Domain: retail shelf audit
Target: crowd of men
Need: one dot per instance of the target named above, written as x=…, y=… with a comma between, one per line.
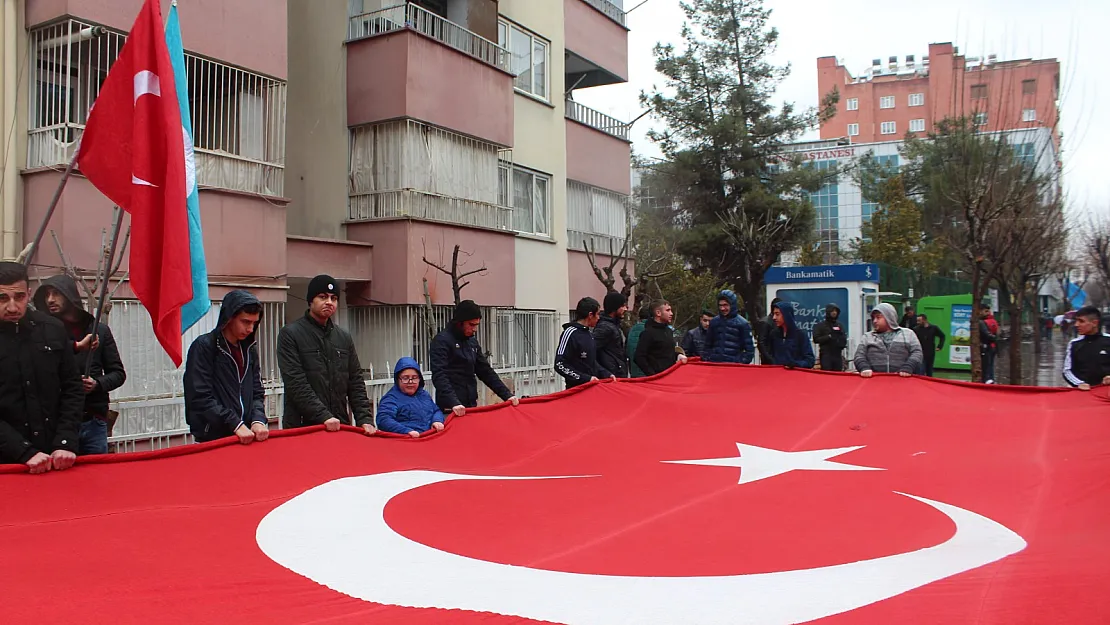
x=58, y=364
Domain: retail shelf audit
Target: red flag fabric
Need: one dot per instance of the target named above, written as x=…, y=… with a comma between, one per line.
x=711, y=494
x=133, y=151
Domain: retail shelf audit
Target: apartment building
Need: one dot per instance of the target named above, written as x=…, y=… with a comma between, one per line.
x=356, y=139
x=421, y=126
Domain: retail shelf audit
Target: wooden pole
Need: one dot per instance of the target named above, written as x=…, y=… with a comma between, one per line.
x=117, y=223
x=34, y=247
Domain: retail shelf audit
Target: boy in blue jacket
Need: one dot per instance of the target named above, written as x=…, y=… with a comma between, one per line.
x=408, y=408
x=790, y=345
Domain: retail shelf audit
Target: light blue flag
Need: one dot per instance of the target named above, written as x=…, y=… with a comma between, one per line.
x=201, y=302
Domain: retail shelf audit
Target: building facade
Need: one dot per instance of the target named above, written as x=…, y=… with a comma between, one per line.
x=365, y=140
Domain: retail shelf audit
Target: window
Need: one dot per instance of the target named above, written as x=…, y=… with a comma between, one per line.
x=530, y=196
x=1029, y=115
x=980, y=119
x=886, y=102
x=853, y=130
x=853, y=104
x=826, y=202
x=1028, y=87
x=1026, y=153
x=917, y=99
x=888, y=128
x=978, y=92
x=917, y=125
x=888, y=166
x=529, y=58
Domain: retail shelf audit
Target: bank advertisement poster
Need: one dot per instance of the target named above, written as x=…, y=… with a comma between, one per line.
x=809, y=305
x=959, y=340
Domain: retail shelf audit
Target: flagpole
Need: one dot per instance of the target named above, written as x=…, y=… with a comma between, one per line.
x=117, y=218
x=34, y=247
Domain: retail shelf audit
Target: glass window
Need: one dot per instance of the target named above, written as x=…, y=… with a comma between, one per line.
x=886, y=102
x=917, y=125
x=853, y=104
x=1029, y=115
x=529, y=59
x=888, y=128
x=978, y=92
x=531, y=201
x=980, y=119
x=853, y=130
x=917, y=99
x=1028, y=87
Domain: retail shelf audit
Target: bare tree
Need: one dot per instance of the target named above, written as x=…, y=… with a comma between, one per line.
x=640, y=284
x=458, y=277
x=1095, y=249
x=107, y=270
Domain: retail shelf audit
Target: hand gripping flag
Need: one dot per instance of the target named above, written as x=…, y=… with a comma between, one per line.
x=192, y=312
x=133, y=151
x=710, y=495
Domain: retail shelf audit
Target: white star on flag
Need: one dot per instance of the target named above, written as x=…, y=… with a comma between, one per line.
x=759, y=463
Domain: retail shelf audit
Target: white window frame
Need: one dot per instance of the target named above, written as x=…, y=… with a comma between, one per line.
x=888, y=128
x=1028, y=115
x=540, y=89
x=507, y=174
x=887, y=102
x=852, y=104
x=917, y=99
x=853, y=130
x=981, y=118
x=917, y=125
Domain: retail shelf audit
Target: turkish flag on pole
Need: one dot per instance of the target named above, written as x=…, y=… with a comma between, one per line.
x=133, y=152
x=711, y=495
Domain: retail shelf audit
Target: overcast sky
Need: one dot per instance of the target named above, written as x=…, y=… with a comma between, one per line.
x=856, y=31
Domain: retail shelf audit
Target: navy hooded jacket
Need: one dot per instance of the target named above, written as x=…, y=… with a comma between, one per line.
x=402, y=414
x=730, y=336
x=791, y=349
x=217, y=399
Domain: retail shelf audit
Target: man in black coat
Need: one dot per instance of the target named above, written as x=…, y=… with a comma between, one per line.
x=693, y=342
x=655, y=353
x=99, y=356
x=928, y=335
x=831, y=339
x=612, y=355
x=762, y=332
x=576, y=357
x=458, y=363
x=41, y=395
x=1087, y=362
x=223, y=380
x=320, y=368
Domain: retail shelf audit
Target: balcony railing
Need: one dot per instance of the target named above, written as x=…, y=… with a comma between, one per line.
x=610, y=10
x=596, y=120
x=423, y=205
x=413, y=17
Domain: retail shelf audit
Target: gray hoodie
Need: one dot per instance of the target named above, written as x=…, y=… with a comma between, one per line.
x=899, y=352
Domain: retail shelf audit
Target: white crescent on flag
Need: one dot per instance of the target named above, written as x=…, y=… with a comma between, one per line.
x=146, y=83
x=371, y=561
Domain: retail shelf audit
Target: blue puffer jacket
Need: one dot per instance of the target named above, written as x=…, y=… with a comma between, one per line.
x=402, y=414
x=792, y=348
x=730, y=336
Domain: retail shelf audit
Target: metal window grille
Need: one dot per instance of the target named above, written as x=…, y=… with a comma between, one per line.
x=598, y=216
x=238, y=116
x=610, y=9
x=416, y=18
x=407, y=168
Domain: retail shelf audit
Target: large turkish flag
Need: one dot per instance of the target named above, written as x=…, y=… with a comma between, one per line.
x=711, y=494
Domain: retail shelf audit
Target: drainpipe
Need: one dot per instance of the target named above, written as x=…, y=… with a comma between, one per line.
x=10, y=245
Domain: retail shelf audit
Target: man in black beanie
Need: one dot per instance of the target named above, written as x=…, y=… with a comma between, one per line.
x=458, y=363
x=609, y=336
x=319, y=366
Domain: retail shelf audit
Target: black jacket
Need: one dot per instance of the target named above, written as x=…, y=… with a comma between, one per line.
x=693, y=342
x=457, y=365
x=1087, y=360
x=576, y=358
x=655, y=352
x=41, y=397
x=217, y=399
x=831, y=340
x=107, y=367
x=612, y=355
x=927, y=336
x=322, y=375
x=761, y=330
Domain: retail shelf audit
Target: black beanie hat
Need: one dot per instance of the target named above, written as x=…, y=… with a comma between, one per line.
x=467, y=310
x=322, y=284
x=613, y=302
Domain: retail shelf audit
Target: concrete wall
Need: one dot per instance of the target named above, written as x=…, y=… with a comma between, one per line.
x=596, y=38
x=13, y=119
x=599, y=159
x=316, y=128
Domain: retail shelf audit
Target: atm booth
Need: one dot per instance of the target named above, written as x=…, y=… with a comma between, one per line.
x=853, y=288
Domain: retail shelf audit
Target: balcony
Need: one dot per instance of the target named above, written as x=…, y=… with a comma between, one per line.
x=238, y=116
x=406, y=62
x=402, y=203
x=598, y=149
x=596, y=218
x=410, y=16
x=597, y=120
x=596, y=43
